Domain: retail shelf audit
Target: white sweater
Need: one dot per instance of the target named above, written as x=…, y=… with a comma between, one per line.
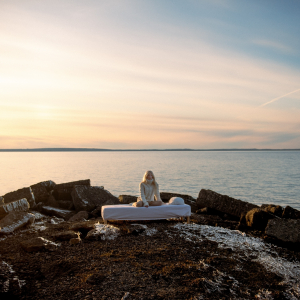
x=147, y=192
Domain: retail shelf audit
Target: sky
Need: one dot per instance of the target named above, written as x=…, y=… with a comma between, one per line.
x=157, y=74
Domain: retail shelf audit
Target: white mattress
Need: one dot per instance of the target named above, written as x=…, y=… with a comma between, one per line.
x=127, y=212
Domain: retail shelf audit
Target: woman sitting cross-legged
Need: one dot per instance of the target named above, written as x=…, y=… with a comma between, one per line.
x=148, y=189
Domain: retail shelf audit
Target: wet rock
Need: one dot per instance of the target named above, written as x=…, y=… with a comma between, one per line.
x=63, y=191
x=276, y=210
x=291, y=213
x=38, y=244
x=89, y=197
x=66, y=235
x=285, y=230
x=20, y=194
x=257, y=218
x=15, y=220
x=126, y=199
x=42, y=190
x=19, y=205
x=57, y=212
x=223, y=203
x=79, y=217
x=165, y=197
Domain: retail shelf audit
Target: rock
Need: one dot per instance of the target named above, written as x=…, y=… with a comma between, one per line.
x=291, y=213
x=126, y=199
x=165, y=197
x=42, y=190
x=9, y=282
x=89, y=197
x=80, y=216
x=206, y=219
x=96, y=212
x=63, y=191
x=276, y=210
x=223, y=203
x=1, y=200
x=66, y=204
x=15, y=220
x=285, y=230
x=52, y=202
x=57, y=212
x=38, y=244
x=19, y=205
x=257, y=218
x=103, y=232
x=208, y=211
x=66, y=235
x=135, y=229
x=20, y=194
x=84, y=227
x=75, y=241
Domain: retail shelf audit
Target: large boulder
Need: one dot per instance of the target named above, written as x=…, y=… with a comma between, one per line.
x=165, y=197
x=291, y=213
x=57, y=212
x=19, y=205
x=223, y=203
x=15, y=220
x=285, y=230
x=276, y=210
x=79, y=217
x=20, y=194
x=41, y=190
x=63, y=191
x=258, y=219
x=89, y=197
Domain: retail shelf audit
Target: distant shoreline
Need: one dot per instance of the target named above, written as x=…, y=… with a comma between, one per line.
x=130, y=150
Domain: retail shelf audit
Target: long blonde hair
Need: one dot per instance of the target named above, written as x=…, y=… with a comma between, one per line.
x=145, y=177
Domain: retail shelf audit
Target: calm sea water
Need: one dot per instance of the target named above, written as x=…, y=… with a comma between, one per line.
x=254, y=176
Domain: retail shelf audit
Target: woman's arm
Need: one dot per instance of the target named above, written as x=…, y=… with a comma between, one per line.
x=157, y=194
x=142, y=194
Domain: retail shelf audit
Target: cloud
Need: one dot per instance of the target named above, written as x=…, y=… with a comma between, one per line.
x=275, y=99
x=274, y=46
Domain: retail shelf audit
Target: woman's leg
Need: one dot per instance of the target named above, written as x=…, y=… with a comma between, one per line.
x=138, y=204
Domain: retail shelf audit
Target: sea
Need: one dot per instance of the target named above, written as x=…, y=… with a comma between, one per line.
x=259, y=177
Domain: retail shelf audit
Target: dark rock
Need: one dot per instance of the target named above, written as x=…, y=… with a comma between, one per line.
x=96, y=212
x=20, y=194
x=19, y=205
x=291, y=213
x=89, y=197
x=276, y=210
x=80, y=217
x=52, y=202
x=1, y=200
x=75, y=241
x=38, y=244
x=15, y=220
x=258, y=219
x=41, y=190
x=223, y=203
x=66, y=235
x=84, y=227
x=209, y=211
x=211, y=220
x=57, y=212
x=135, y=229
x=285, y=230
x=63, y=191
x=66, y=204
x=126, y=199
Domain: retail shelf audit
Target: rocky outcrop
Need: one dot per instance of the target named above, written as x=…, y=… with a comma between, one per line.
x=223, y=203
x=285, y=230
x=19, y=205
x=38, y=244
x=57, y=212
x=126, y=199
x=42, y=190
x=20, y=194
x=63, y=191
x=258, y=219
x=15, y=220
x=291, y=213
x=89, y=197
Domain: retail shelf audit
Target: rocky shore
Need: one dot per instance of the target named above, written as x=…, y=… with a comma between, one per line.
x=54, y=245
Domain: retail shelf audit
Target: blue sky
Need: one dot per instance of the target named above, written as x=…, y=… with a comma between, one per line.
x=150, y=74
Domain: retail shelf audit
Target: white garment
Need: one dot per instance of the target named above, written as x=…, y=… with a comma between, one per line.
x=147, y=192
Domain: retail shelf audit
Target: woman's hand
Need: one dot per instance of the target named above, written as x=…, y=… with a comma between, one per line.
x=147, y=205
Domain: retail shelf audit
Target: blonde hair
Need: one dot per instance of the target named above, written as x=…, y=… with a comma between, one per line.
x=145, y=177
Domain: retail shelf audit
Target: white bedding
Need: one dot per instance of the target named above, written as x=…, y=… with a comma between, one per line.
x=127, y=212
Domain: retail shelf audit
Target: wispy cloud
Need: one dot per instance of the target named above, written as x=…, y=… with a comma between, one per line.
x=274, y=45
x=275, y=99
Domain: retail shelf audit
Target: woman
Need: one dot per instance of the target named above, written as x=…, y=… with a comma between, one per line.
x=148, y=189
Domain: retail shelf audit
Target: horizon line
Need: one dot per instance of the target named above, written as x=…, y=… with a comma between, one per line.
x=116, y=150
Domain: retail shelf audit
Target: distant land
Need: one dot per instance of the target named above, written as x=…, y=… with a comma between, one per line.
x=118, y=150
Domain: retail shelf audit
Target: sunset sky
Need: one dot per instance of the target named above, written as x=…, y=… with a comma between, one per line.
x=150, y=74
